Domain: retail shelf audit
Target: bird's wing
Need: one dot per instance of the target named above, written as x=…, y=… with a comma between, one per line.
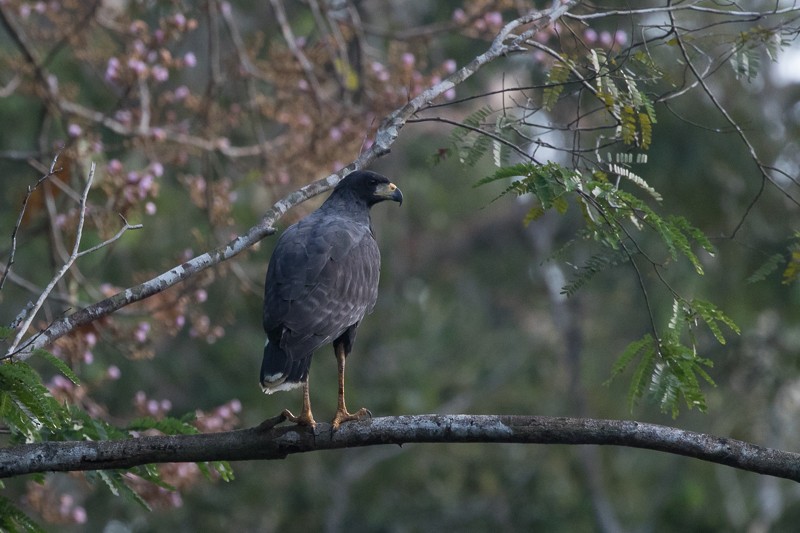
x=322, y=278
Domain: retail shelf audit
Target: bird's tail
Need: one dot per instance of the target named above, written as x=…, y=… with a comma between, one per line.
x=279, y=371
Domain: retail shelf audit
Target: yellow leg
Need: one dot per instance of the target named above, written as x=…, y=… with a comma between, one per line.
x=305, y=418
x=341, y=411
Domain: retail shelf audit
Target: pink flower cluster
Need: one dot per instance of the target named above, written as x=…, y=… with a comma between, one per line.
x=147, y=56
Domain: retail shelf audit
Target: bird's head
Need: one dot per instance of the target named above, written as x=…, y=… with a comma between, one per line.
x=370, y=187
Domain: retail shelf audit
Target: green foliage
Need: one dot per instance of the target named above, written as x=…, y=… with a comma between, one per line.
x=669, y=369
x=666, y=367
x=469, y=144
x=789, y=260
x=13, y=520
x=556, y=79
x=33, y=415
x=548, y=183
x=26, y=405
x=746, y=51
x=619, y=90
x=594, y=265
x=767, y=267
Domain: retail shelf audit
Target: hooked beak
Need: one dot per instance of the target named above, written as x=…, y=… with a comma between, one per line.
x=390, y=191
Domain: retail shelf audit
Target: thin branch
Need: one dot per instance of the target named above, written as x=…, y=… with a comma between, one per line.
x=267, y=442
x=63, y=270
x=762, y=168
x=291, y=42
x=31, y=188
x=126, y=226
x=685, y=7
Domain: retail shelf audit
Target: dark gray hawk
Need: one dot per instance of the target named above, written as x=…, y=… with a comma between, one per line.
x=321, y=281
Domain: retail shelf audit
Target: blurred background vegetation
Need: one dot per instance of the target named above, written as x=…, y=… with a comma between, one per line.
x=200, y=116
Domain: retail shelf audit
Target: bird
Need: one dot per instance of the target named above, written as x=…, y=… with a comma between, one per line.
x=322, y=279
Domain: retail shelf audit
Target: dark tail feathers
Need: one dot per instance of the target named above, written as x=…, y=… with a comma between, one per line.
x=278, y=370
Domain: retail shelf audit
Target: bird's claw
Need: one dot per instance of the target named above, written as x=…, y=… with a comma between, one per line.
x=343, y=416
x=305, y=419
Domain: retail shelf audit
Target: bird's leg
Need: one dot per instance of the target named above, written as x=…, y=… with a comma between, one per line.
x=305, y=418
x=341, y=411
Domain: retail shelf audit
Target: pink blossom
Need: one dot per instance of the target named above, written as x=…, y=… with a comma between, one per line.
x=620, y=37
x=189, y=59
x=180, y=20
x=88, y=357
x=25, y=11
x=182, y=92
x=150, y=208
x=124, y=116
x=201, y=295
x=73, y=130
x=145, y=185
x=450, y=94
x=160, y=73
x=79, y=515
x=112, y=69
x=140, y=334
x=590, y=35
x=139, y=47
x=137, y=65
x=606, y=39
x=157, y=168
x=236, y=405
x=493, y=18
x=408, y=59
x=113, y=373
x=114, y=166
x=459, y=15
x=335, y=134
x=91, y=338
x=450, y=66
x=158, y=134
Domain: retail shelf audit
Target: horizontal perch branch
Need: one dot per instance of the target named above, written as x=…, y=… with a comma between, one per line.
x=269, y=441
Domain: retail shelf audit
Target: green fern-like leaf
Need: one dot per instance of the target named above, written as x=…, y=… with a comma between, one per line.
x=59, y=364
x=6, y=332
x=713, y=316
x=643, y=373
x=767, y=267
x=556, y=79
x=475, y=120
x=593, y=266
x=25, y=403
x=12, y=519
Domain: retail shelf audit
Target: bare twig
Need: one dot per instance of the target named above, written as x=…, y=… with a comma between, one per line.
x=762, y=168
x=23, y=328
x=18, y=224
x=291, y=42
x=126, y=226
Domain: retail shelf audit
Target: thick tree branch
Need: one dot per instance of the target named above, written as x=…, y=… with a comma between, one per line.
x=505, y=43
x=270, y=442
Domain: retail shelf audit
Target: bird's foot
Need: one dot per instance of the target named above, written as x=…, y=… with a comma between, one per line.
x=305, y=418
x=343, y=416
